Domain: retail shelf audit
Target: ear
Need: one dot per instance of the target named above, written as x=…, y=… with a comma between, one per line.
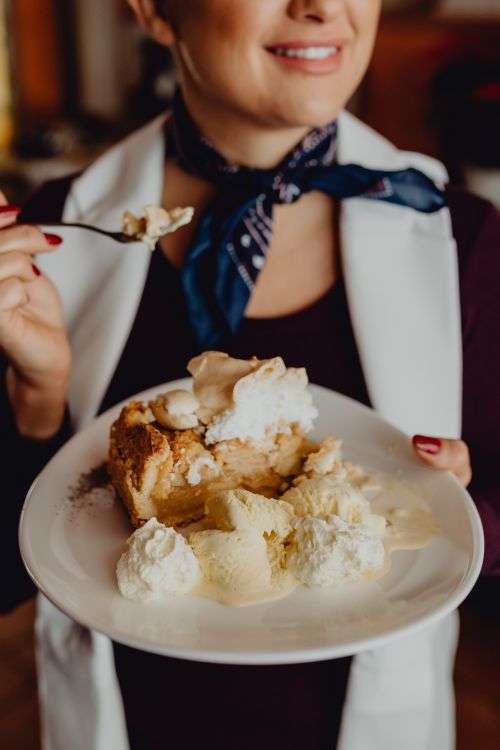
x=158, y=27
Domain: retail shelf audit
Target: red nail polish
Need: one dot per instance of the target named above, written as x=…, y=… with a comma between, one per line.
x=53, y=239
x=10, y=210
x=427, y=444
x=36, y=270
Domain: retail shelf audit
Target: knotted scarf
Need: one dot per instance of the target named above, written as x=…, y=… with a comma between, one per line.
x=233, y=235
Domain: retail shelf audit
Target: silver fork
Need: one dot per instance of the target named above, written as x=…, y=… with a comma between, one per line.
x=117, y=236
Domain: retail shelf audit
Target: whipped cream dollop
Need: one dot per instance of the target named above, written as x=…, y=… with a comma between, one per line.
x=155, y=223
x=158, y=561
x=176, y=409
x=328, y=550
x=214, y=376
x=250, y=399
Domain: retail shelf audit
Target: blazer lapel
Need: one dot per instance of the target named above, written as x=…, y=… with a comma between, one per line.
x=401, y=279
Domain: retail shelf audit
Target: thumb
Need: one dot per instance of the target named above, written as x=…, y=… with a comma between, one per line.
x=444, y=453
x=8, y=213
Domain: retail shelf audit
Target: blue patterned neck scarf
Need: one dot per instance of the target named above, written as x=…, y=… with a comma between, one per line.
x=233, y=235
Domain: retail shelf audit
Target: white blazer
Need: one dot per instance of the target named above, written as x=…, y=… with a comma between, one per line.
x=401, y=277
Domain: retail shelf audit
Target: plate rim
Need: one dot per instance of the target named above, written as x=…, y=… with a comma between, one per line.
x=265, y=657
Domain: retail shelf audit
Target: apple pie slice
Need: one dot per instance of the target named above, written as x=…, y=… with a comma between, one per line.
x=243, y=426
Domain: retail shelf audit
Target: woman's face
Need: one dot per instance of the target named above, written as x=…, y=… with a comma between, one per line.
x=279, y=62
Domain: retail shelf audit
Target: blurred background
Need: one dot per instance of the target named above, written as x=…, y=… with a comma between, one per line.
x=76, y=75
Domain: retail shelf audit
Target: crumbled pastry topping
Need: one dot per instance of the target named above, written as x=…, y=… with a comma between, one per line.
x=326, y=459
x=176, y=409
x=138, y=413
x=201, y=467
x=133, y=226
x=155, y=223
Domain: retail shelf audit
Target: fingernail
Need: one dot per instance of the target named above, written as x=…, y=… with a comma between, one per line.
x=53, y=239
x=427, y=444
x=10, y=210
x=36, y=269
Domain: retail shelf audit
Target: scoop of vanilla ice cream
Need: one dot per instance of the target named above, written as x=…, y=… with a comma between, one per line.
x=324, y=495
x=158, y=561
x=327, y=550
x=176, y=409
x=241, y=509
x=236, y=562
x=266, y=401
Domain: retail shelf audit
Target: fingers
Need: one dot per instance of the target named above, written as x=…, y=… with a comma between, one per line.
x=16, y=269
x=445, y=454
x=12, y=294
x=8, y=215
x=22, y=237
x=18, y=265
x=27, y=239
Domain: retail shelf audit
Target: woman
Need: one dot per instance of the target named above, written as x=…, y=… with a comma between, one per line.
x=360, y=285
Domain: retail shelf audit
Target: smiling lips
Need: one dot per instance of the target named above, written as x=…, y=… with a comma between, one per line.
x=319, y=58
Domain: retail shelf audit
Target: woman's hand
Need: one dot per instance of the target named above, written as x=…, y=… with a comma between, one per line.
x=32, y=334
x=442, y=453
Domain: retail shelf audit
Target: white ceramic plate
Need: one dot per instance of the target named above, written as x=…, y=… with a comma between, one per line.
x=70, y=550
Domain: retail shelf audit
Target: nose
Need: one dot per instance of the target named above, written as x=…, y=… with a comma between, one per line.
x=317, y=11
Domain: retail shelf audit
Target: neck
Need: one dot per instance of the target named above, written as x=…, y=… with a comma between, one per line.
x=240, y=140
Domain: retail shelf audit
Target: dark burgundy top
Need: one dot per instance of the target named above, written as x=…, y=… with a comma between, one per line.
x=331, y=359
x=290, y=706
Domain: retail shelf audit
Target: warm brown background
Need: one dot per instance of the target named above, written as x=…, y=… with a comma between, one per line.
x=394, y=98
x=37, y=71
x=408, y=53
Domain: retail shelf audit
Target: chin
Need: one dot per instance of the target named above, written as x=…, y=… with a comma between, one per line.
x=310, y=113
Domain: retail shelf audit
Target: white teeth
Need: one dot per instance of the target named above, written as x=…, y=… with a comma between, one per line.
x=307, y=53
